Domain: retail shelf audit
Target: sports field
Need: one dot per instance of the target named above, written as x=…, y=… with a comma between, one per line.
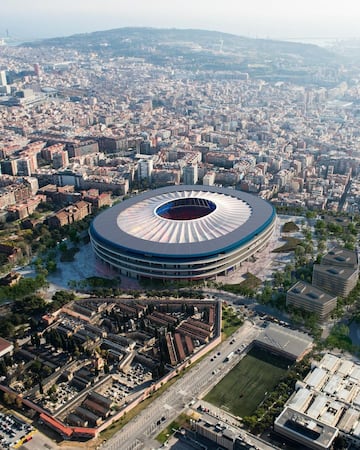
x=245, y=386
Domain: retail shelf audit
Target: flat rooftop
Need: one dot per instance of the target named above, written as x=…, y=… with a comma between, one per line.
x=339, y=256
x=307, y=291
x=328, y=396
x=306, y=429
x=219, y=427
x=343, y=273
x=283, y=339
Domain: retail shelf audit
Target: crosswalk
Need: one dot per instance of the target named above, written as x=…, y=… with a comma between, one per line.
x=137, y=444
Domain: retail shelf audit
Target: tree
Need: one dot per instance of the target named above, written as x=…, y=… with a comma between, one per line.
x=266, y=294
x=321, y=245
x=73, y=234
x=339, y=338
x=335, y=228
x=311, y=214
x=7, y=327
x=300, y=258
x=279, y=278
x=3, y=368
x=31, y=304
x=340, y=443
x=51, y=265
x=46, y=371
x=250, y=422
x=349, y=245
x=36, y=366
x=63, y=247
x=320, y=225
x=9, y=398
x=18, y=401
x=60, y=298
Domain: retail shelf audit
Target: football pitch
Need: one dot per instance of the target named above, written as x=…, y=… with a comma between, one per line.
x=245, y=386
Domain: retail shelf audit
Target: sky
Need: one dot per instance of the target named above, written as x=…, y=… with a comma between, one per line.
x=276, y=19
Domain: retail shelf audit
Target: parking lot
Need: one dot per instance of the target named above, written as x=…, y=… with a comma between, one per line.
x=13, y=431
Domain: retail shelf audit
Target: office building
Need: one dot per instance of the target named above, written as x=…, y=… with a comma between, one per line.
x=341, y=257
x=305, y=296
x=335, y=280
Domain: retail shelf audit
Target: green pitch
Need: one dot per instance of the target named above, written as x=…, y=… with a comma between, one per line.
x=245, y=386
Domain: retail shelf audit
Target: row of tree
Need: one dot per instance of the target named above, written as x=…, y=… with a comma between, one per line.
x=270, y=408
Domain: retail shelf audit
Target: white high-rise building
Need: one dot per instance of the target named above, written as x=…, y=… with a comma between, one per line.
x=209, y=179
x=145, y=168
x=3, y=81
x=190, y=173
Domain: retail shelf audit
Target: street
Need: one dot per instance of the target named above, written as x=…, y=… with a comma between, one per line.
x=140, y=432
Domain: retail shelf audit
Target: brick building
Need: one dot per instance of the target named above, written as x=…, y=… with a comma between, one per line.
x=70, y=214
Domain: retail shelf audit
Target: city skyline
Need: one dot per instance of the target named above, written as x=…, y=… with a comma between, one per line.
x=305, y=21
x=179, y=226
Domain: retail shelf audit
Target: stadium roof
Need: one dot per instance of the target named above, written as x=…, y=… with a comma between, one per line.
x=136, y=224
x=229, y=214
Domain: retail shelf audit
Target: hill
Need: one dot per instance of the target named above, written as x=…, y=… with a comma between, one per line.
x=200, y=50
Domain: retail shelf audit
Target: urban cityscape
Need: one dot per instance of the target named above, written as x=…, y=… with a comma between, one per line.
x=179, y=235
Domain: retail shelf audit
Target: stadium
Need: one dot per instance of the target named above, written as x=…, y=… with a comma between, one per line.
x=182, y=232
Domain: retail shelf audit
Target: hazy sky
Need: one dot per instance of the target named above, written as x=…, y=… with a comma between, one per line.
x=262, y=18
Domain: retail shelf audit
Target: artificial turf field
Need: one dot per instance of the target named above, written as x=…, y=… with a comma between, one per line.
x=244, y=387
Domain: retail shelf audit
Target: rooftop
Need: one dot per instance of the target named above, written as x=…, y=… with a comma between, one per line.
x=341, y=257
x=5, y=345
x=236, y=219
x=307, y=291
x=343, y=273
x=292, y=342
x=307, y=428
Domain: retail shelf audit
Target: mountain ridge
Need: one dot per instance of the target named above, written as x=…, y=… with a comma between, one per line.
x=200, y=50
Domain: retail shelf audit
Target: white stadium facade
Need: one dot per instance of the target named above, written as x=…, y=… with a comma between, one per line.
x=182, y=232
